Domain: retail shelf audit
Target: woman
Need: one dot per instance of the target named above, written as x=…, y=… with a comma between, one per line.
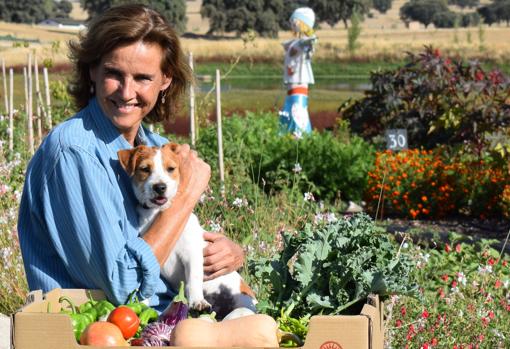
x=78, y=222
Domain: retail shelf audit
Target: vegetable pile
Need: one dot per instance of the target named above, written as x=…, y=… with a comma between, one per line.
x=331, y=269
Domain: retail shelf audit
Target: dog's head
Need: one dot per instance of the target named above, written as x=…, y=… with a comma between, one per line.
x=154, y=173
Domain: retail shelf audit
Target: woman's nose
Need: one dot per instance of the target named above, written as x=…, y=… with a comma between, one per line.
x=128, y=89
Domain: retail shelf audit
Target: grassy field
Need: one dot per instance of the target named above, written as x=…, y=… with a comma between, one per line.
x=374, y=44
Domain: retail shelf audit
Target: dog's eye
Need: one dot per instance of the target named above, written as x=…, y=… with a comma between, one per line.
x=170, y=169
x=145, y=169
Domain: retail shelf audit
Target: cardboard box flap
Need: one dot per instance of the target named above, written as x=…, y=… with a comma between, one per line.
x=338, y=332
x=374, y=311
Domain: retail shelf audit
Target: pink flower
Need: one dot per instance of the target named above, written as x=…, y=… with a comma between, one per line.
x=498, y=284
x=403, y=311
x=458, y=248
x=447, y=248
x=425, y=314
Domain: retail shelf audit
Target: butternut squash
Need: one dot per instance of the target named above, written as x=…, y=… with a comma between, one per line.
x=256, y=330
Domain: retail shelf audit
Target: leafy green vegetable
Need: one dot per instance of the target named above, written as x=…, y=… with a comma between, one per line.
x=330, y=268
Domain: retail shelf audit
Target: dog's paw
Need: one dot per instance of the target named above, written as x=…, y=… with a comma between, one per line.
x=200, y=305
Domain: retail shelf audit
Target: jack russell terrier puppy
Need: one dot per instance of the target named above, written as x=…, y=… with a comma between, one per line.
x=154, y=173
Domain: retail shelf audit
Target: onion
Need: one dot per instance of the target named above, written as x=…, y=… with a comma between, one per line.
x=156, y=332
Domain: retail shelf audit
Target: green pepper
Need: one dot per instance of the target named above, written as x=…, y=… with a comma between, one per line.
x=87, y=305
x=79, y=321
x=148, y=315
x=135, y=304
x=103, y=308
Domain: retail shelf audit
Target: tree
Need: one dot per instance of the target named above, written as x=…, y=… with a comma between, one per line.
x=464, y=3
x=502, y=10
x=382, y=5
x=445, y=19
x=488, y=14
x=174, y=11
x=63, y=9
x=26, y=11
x=262, y=16
x=422, y=11
x=334, y=11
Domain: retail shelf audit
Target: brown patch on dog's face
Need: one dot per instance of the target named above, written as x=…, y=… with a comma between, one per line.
x=170, y=160
x=138, y=161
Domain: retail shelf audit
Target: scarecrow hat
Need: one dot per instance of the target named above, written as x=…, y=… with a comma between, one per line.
x=305, y=15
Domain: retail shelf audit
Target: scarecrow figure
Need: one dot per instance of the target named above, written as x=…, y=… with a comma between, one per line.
x=298, y=73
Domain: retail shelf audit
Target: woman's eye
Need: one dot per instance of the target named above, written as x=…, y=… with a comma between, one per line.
x=170, y=169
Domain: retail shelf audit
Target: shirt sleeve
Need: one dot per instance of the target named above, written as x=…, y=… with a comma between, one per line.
x=91, y=232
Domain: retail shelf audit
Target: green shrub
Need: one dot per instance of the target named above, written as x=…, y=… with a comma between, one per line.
x=438, y=100
x=329, y=165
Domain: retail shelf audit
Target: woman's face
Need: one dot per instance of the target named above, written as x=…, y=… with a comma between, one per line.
x=128, y=81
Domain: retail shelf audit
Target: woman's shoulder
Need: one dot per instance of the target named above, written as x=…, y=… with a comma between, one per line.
x=73, y=132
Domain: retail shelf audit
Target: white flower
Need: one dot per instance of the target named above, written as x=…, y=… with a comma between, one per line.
x=461, y=278
x=319, y=218
x=4, y=188
x=297, y=168
x=486, y=269
x=309, y=196
x=331, y=218
x=238, y=202
x=215, y=227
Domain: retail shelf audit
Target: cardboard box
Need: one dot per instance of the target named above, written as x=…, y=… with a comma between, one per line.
x=38, y=325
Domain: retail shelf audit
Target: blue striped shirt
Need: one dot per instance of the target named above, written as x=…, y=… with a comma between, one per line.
x=78, y=222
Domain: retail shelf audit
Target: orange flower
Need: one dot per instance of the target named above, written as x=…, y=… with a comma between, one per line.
x=424, y=198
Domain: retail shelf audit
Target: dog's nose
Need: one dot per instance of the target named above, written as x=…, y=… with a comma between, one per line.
x=159, y=188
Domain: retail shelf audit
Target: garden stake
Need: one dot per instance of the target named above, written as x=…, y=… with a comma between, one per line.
x=37, y=104
x=4, y=78
x=191, y=105
x=381, y=200
x=220, y=136
x=29, y=108
x=11, y=110
x=48, y=101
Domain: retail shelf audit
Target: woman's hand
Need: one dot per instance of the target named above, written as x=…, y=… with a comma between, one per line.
x=221, y=256
x=194, y=173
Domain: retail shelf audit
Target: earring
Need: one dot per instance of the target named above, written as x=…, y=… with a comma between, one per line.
x=91, y=89
x=163, y=97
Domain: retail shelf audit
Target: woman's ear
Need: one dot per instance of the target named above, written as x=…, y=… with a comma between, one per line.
x=93, y=74
x=166, y=82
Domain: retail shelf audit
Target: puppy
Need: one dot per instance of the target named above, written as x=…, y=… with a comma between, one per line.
x=154, y=173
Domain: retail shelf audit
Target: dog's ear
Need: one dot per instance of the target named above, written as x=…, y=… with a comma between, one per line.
x=126, y=160
x=171, y=146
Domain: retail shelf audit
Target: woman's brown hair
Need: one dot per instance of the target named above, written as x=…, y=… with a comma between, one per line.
x=124, y=25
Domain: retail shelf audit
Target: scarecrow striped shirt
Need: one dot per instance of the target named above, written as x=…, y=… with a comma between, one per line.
x=78, y=222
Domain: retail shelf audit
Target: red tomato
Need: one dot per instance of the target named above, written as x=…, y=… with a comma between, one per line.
x=125, y=319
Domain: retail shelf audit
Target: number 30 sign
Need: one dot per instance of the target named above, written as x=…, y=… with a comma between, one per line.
x=396, y=139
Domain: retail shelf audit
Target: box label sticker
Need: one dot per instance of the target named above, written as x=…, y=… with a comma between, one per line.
x=330, y=345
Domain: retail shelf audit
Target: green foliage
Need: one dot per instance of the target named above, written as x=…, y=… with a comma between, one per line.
x=29, y=11
x=497, y=11
x=241, y=16
x=438, y=100
x=332, y=12
x=422, y=11
x=174, y=11
x=464, y=3
x=328, y=165
x=445, y=19
x=353, y=33
x=327, y=269
x=464, y=300
x=382, y=5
